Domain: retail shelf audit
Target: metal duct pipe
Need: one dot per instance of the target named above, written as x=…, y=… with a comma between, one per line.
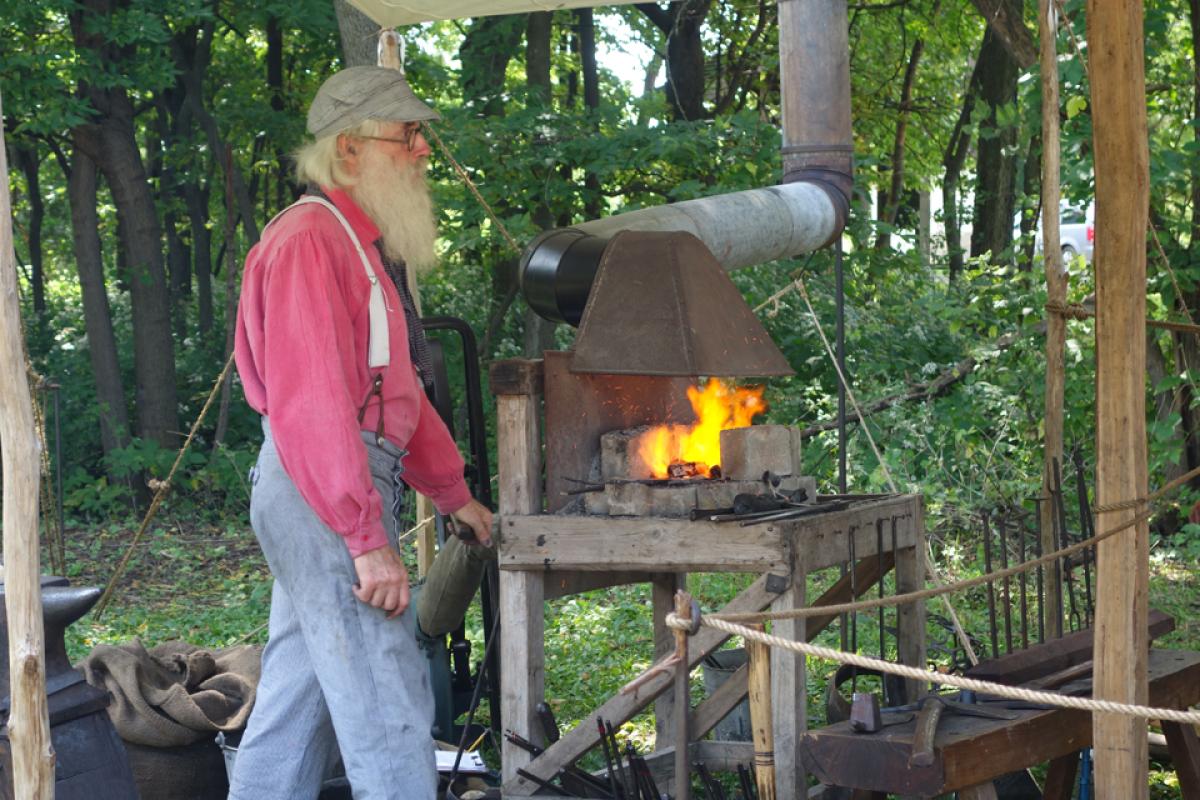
x=814, y=76
x=807, y=212
x=741, y=229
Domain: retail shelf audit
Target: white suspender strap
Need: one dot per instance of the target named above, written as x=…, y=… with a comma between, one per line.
x=378, y=350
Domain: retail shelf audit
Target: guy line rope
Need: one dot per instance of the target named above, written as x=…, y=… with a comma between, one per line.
x=957, y=681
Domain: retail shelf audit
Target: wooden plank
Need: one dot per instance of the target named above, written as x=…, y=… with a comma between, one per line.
x=1121, y=155
x=522, y=615
x=971, y=750
x=519, y=456
x=824, y=537
x=1060, y=778
x=716, y=706
x=29, y=722
x=1184, y=747
x=586, y=544
x=522, y=665
x=663, y=588
x=1052, y=656
x=717, y=756
x=564, y=584
x=516, y=376
x=622, y=707
x=982, y=791
x=789, y=684
x=910, y=577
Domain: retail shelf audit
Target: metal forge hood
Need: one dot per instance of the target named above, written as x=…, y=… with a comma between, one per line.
x=661, y=304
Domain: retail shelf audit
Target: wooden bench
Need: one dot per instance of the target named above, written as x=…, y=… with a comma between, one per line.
x=970, y=752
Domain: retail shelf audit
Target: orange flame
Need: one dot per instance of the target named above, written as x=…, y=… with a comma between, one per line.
x=719, y=407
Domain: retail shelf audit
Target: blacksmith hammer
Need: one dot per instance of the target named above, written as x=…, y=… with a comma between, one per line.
x=932, y=707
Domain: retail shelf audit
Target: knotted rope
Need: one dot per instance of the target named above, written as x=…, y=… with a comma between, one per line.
x=957, y=681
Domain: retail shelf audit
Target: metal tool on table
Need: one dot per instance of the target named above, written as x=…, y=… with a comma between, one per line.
x=578, y=780
x=931, y=709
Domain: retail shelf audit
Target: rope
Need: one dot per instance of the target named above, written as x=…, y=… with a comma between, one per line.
x=899, y=599
x=462, y=173
x=161, y=489
x=957, y=681
x=1082, y=312
x=959, y=630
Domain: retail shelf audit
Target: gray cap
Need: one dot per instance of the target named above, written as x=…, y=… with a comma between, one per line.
x=357, y=94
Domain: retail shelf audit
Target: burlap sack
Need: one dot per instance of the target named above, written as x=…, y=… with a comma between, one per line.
x=175, y=693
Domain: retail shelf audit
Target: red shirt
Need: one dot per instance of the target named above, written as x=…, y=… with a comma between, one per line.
x=302, y=335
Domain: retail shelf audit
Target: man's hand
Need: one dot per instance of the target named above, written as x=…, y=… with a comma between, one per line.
x=382, y=580
x=478, y=518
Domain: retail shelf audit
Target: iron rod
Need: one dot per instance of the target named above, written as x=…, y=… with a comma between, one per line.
x=1064, y=541
x=991, y=586
x=1087, y=530
x=1024, y=583
x=1041, y=575
x=1008, y=637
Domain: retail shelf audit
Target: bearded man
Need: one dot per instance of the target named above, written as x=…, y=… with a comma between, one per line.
x=332, y=355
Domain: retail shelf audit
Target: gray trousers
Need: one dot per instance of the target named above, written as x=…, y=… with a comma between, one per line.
x=336, y=672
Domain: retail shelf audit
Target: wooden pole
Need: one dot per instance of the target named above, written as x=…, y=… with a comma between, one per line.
x=389, y=56
x=29, y=721
x=683, y=701
x=1056, y=292
x=1122, y=197
x=760, y=717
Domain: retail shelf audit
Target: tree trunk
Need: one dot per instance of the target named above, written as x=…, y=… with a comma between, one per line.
x=30, y=164
x=102, y=345
x=593, y=203
x=587, y=57
x=996, y=161
x=108, y=139
x=1166, y=403
x=539, y=333
x=195, y=197
x=891, y=205
x=953, y=161
x=1006, y=21
x=179, y=274
x=484, y=54
x=283, y=180
x=358, y=34
x=682, y=24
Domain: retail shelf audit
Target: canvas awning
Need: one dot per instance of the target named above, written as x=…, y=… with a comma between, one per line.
x=392, y=13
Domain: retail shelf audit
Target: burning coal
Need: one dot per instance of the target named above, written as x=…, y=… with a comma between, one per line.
x=693, y=450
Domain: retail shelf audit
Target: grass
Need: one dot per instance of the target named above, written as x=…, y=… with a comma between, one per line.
x=209, y=585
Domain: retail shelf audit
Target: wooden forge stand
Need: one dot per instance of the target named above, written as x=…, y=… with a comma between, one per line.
x=545, y=556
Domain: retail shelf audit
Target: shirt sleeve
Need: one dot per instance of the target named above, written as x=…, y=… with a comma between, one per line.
x=433, y=465
x=308, y=337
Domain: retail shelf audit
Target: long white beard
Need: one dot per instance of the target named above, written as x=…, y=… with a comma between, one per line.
x=397, y=200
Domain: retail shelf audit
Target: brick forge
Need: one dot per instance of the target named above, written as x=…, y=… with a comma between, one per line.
x=760, y=460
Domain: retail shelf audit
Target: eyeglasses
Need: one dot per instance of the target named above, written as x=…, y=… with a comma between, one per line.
x=411, y=130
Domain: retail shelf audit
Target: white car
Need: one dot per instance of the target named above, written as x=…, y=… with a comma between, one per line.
x=1076, y=232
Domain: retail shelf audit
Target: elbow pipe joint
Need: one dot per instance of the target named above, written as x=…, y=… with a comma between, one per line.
x=556, y=271
x=829, y=167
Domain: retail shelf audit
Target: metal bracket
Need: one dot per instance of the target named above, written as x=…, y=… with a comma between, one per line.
x=778, y=584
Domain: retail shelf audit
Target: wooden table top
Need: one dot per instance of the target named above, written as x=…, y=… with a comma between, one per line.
x=973, y=750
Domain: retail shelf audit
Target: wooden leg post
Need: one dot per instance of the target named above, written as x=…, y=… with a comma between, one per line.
x=788, y=682
x=760, y=717
x=522, y=592
x=664, y=586
x=910, y=573
x=683, y=778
